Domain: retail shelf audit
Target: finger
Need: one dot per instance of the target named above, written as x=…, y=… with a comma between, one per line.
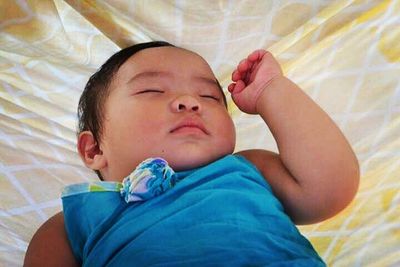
x=243, y=65
x=231, y=87
x=254, y=66
x=256, y=55
x=236, y=75
x=239, y=86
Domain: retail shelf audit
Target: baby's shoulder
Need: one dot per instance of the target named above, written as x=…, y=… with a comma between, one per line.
x=50, y=246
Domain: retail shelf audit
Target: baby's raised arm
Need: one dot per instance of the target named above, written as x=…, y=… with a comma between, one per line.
x=316, y=173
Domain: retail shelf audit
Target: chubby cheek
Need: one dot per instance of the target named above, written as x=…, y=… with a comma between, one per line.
x=226, y=134
x=131, y=134
x=142, y=133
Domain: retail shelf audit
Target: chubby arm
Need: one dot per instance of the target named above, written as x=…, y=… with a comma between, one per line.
x=49, y=246
x=315, y=174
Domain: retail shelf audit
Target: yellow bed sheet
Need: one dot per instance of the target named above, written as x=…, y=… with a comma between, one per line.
x=344, y=54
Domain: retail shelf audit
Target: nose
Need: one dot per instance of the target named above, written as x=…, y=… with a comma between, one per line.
x=186, y=103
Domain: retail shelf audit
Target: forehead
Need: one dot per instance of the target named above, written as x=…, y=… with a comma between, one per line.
x=170, y=59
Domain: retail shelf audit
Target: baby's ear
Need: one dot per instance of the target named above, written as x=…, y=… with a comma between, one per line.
x=90, y=151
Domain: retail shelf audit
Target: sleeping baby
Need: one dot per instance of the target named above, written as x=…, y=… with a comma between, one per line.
x=154, y=125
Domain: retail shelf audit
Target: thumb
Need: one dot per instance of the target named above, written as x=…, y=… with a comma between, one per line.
x=236, y=88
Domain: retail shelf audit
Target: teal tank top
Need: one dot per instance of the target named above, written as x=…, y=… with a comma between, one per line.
x=222, y=214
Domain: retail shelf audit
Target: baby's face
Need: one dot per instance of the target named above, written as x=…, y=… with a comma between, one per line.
x=165, y=102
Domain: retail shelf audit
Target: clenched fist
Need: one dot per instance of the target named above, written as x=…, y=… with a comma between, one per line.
x=251, y=77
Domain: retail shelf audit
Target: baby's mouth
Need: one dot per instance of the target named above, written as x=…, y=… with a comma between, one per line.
x=189, y=125
x=188, y=129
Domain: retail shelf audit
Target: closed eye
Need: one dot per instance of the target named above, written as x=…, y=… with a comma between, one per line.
x=149, y=91
x=210, y=96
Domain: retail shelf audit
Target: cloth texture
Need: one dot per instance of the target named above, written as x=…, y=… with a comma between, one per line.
x=222, y=214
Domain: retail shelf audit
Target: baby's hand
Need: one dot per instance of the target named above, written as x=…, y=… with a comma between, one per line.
x=251, y=77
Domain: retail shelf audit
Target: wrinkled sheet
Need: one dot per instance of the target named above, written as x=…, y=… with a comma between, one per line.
x=344, y=54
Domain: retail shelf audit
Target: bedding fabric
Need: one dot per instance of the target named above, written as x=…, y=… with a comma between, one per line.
x=345, y=54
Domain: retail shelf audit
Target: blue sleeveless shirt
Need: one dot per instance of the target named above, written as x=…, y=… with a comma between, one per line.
x=222, y=214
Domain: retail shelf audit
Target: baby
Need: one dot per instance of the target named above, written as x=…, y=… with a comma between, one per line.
x=155, y=127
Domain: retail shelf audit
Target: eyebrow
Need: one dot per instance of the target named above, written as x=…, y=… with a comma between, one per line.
x=148, y=74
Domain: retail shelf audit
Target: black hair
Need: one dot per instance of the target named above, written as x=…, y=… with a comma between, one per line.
x=97, y=89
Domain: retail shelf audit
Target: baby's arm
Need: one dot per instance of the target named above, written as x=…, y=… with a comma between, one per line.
x=49, y=246
x=316, y=173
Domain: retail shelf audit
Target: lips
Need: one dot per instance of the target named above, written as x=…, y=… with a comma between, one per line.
x=188, y=124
